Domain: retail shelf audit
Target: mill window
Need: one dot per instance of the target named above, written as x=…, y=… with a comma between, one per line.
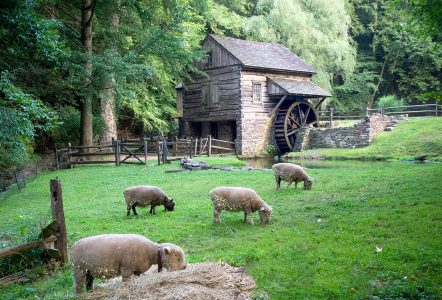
x=257, y=93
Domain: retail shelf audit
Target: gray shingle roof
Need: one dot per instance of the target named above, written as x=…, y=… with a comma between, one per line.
x=300, y=87
x=263, y=55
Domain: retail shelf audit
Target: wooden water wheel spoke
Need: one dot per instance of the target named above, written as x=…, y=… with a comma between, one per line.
x=294, y=121
x=306, y=118
x=291, y=132
x=292, y=116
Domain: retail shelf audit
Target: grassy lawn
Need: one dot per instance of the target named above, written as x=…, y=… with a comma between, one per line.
x=417, y=138
x=320, y=244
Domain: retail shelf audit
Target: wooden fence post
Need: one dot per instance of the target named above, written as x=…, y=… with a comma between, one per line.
x=175, y=146
x=367, y=111
x=435, y=111
x=330, y=124
x=58, y=215
x=145, y=151
x=117, y=152
x=165, y=151
x=159, y=151
x=209, y=150
x=196, y=146
x=190, y=147
x=69, y=155
x=56, y=158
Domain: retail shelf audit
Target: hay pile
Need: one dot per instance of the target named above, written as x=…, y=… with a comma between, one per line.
x=197, y=281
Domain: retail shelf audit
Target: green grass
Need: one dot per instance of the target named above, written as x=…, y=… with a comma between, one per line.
x=320, y=243
x=417, y=138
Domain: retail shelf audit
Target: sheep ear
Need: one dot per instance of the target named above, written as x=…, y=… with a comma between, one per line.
x=166, y=250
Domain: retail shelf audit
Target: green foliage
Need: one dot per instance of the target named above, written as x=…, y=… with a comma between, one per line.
x=417, y=138
x=68, y=129
x=314, y=30
x=21, y=116
x=389, y=101
x=331, y=230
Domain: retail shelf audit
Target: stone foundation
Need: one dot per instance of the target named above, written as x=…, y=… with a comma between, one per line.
x=255, y=134
x=359, y=135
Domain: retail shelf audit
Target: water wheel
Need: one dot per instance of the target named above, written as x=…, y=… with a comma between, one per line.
x=290, y=118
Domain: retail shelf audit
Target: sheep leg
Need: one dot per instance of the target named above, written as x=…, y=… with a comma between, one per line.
x=126, y=274
x=89, y=281
x=216, y=216
x=79, y=279
x=152, y=209
x=128, y=210
x=134, y=210
x=245, y=216
x=296, y=184
x=250, y=215
x=278, y=182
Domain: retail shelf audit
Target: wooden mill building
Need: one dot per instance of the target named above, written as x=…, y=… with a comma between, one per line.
x=256, y=94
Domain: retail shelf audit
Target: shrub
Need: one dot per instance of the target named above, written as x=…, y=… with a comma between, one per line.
x=389, y=101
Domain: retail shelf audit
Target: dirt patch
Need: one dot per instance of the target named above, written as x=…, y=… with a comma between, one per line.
x=198, y=281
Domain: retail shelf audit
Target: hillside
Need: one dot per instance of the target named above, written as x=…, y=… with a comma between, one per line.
x=415, y=139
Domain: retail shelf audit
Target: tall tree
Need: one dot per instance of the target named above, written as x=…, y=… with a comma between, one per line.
x=87, y=13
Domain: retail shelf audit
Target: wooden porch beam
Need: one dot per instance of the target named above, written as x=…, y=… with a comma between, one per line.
x=319, y=103
x=278, y=105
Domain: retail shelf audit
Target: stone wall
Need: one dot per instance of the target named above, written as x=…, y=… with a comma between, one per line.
x=255, y=133
x=359, y=135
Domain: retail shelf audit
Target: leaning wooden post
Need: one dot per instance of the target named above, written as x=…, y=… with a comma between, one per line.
x=69, y=155
x=145, y=151
x=209, y=151
x=58, y=215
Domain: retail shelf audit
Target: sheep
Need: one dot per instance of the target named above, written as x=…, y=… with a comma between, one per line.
x=111, y=255
x=239, y=199
x=144, y=195
x=291, y=173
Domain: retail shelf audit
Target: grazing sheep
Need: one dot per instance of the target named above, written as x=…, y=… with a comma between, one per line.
x=110, y=255
x=291, y=173
x=239, y=199
x=144, y=195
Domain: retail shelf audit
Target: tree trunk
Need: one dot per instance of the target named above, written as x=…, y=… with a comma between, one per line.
x=86, y=39
x=370, y=102
x=107, y=102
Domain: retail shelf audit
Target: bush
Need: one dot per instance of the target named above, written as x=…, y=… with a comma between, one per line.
x=389, y=101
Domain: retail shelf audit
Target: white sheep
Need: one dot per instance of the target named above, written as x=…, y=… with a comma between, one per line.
x=144, y=195
x=111, y=255
x=291, y=173
x=239, y=199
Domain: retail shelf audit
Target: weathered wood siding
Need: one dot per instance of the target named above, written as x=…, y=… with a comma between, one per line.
x=220, y=57
x=225, y=83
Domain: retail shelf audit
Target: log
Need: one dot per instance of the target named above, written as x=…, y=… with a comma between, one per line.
x=5, y=252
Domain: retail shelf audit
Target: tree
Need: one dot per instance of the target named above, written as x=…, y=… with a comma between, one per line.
x=317, y=31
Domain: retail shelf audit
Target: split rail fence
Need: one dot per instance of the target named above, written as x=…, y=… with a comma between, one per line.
x=330, y=115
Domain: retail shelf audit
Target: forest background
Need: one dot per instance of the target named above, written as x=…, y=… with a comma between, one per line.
x=72, y=70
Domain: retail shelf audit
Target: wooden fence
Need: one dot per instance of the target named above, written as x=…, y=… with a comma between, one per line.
x=331, y=115
x=137, y=151
x=177, y=149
